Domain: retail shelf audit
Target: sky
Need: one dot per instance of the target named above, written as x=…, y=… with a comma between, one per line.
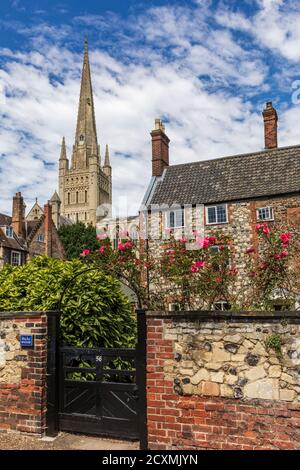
x=205, y=67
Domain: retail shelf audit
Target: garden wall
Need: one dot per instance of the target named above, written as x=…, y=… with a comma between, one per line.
x=23, y=372
x=212, y=383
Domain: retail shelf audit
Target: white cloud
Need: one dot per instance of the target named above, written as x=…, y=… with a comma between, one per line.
x=159, y=69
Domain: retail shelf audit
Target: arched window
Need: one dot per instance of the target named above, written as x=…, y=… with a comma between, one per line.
x=76, y=197
x=69, y=197
x=81, y=138
x=85, y=196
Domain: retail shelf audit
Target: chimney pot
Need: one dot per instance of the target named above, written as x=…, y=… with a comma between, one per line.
x=270, y=126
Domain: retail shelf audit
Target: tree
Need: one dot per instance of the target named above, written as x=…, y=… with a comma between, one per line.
x=94, y=310
x=76, y=237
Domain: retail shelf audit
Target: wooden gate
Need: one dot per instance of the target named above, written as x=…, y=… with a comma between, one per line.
x=98, y=392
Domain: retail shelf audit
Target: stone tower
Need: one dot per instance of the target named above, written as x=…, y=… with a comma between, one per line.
x=84, y=185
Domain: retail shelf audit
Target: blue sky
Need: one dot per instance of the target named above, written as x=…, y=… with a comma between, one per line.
x=205, y=67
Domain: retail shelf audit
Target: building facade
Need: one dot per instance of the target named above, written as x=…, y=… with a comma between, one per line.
x=229, y=194
x=84, y=182
x=23, y=238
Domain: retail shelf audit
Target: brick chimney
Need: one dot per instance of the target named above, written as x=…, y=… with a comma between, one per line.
x=48, y=229
x=160, y=148
x=270, y=125
x=18, y=215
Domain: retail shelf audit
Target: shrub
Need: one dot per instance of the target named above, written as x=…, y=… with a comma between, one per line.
x=95, y=312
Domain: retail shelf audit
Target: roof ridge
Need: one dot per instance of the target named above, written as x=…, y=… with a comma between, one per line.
x=264, y=151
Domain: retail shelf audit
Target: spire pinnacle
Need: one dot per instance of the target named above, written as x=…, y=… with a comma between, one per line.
x=107, y=159
x=63, y=152
x=86, y=134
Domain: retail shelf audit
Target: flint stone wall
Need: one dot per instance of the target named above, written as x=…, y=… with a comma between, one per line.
x=221, y=361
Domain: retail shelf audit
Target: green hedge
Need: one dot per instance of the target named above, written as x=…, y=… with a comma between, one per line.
x=95, y=311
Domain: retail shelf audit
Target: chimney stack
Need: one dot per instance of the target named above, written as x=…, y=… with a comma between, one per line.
x=270, y=126
x=18, y=215
x=160, y=148
x=48, y=229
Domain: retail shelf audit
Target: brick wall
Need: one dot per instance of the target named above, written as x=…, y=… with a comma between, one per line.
x=213, y=384
x=23, y=373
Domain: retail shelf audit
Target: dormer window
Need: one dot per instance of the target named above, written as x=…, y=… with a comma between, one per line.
x=9, y=232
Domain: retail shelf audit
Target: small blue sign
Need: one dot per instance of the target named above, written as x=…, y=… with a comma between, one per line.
x=26, y=341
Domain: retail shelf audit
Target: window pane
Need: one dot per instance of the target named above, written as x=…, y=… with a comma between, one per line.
x=171, y=219
x=265, y=213
x=211, y=215
x=221, y=214
x=179, y=218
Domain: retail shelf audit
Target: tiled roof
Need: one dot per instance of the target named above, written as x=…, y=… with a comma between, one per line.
x=5, y=220
x=261, y=174
x=12, y=243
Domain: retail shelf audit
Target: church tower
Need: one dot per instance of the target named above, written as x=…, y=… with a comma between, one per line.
x=84, y=184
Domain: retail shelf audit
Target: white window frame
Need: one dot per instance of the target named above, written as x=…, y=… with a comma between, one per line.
x=19, y=258
x=181, y=216
x=221, y=304
x=40, y=238
x=215, y=206
x=11, y=231
x=266, y=208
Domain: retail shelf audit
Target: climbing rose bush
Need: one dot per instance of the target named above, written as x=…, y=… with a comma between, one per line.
x=273, y=266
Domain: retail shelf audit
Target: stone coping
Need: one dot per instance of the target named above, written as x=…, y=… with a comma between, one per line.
x=12, y=315
x=216, y=315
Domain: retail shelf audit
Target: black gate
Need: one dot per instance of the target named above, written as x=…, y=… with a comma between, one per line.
x=98, y=392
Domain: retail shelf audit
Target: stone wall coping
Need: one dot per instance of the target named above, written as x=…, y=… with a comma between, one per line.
x=216, y=315
x=12, y=315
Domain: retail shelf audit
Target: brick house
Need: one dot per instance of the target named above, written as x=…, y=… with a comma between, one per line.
x=22, y=239
x=230, y=193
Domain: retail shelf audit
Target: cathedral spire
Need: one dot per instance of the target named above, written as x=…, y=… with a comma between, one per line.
x=86, y=134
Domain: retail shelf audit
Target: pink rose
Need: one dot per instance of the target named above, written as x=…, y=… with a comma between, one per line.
x=101, y=236
x=285, y=238
x=128, y=244
x=124, y=233
x=283, y=254
x=277, y=257
x=194, y=269
x=121, y=247
x=258, y=226
x=85, y=252
x=102, y=249
x=183, y=240
x=266, y=228
x=199, y=264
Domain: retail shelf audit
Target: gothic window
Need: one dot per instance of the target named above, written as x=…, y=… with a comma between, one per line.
x=76, y=197
x=77, y=217
x=68, y=198
x=81, y=138
x=85, y=196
